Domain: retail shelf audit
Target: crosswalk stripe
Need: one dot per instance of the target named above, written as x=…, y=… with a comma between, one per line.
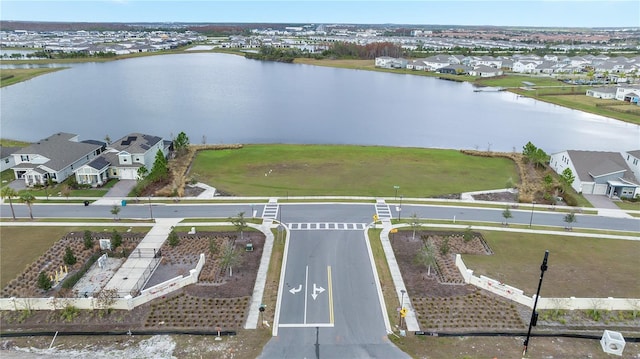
x=327, y=226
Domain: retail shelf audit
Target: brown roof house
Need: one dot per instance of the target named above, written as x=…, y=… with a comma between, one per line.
x=600, y=173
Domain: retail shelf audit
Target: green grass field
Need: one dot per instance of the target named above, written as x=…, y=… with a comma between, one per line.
x=296, y=170
x=579, y=267
x=13, y=76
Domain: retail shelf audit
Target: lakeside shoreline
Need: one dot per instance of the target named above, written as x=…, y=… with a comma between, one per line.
x=548, y=91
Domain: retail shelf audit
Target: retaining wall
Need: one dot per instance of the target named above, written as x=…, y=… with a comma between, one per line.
x=126, y=303
x=517, y=295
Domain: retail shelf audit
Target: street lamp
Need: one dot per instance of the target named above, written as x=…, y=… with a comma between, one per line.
x=534, y=316
x=400, y=208
x=533, y=204
x=396, y=195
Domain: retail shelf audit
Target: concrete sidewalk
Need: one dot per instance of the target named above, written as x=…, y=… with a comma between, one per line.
x=401, y=290
x=140, y=264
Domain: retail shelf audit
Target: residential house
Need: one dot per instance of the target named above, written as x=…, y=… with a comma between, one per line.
x=485, y=71
x=122, y=159
x=388, y=62
x=525, y=67
x=455, y=70
x=435, y=62
x=628, y=94
x=55, y=157
x=6, y=159
x=608, y=93
x=633, y=161
x=600, y=173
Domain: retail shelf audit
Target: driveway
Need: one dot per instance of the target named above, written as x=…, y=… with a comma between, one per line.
x=600, y=201
x=121, y=189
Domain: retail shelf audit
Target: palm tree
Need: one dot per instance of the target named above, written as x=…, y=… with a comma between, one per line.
x=28, y=199
x=8, y=192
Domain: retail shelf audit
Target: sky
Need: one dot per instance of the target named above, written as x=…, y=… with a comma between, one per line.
x=538, y=13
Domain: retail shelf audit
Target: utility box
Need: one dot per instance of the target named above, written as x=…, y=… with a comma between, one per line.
x=249, y=247
x=612, y=342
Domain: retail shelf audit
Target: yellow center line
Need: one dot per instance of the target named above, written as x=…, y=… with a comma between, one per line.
x=330, y=285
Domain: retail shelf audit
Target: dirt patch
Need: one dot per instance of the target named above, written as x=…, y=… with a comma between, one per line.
x=497, y=197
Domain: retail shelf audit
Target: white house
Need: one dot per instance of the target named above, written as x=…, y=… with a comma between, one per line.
x=608, y=93
x=6, y=159
x=628, y=94
x=122, y=159
x=485, y=71
x=55, y=157
x=633, y=161
x=600, y=173
x=388, y=62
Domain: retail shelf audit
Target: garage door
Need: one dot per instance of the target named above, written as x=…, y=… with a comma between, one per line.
x=587, y=188
x=128, y=173
x=600, y=189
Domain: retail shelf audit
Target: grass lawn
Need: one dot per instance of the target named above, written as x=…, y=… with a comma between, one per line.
x=12, y=76
x=20, y=246
x=296, y=170
x=579, y=267
x=628, y=205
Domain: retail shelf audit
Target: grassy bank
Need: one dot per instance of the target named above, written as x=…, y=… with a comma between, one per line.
x=311, y=170
x=575, y=264
x=13, y=76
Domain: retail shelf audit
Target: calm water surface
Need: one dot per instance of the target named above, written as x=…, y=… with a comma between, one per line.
x=220, y=98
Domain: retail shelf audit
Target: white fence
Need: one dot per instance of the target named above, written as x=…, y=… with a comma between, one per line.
x=126, y=303
x=517, y=295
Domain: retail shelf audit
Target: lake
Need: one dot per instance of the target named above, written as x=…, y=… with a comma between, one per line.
x=220, y=98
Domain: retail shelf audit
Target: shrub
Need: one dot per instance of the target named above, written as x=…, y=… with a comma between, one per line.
x=69, y=258
x=444, y=246
x=69, y=313
x=173, y=238
x=116, y=240
x=570, y=199
x=88, y=239
x=44, y=282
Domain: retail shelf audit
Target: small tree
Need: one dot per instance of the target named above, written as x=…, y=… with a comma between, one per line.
x=115, y=210
x=467, y=235
x=444, y=246
x=28, y=199
x=65, y=190
x=69, y=258
x=240, y=223
x=142, y=173
x=44, y=282
x=160, y=170
x=116, y=239
x=181, y=143
x=9, y=193
x=173, y=238
x=88, y=239
x=567, y=177
x=506, y=214
x=414, y=222
x=230, y=257
x=214, y=246
x=426, y=256
x=570, y=218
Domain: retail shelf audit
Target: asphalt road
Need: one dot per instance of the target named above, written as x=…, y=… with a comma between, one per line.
x=330, y=306
x=321, y=213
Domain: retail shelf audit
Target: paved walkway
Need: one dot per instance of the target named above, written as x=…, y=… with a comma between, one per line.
x=139, y=266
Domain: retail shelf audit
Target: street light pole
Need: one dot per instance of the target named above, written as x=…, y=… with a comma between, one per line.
x=533, y=204
x=400, y=208
x=534, y=316
x=402, y=291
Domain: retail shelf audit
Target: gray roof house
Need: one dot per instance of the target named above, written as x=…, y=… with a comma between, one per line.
x=122, y=159
x=600, y=173
x=55, y=158
x=6, y=159
x=602, y=92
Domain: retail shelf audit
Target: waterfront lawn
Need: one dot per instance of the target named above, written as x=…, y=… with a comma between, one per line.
x=578, y=266
x=13, y=76
x=316, y=170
